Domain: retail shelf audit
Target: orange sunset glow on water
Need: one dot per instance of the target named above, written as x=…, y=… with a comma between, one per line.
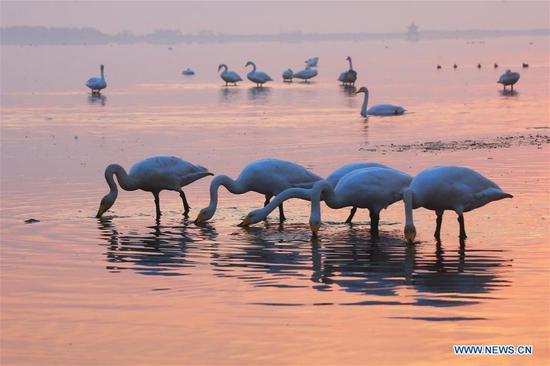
x=127, y=289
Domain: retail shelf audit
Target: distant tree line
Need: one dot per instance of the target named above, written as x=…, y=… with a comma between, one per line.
x=24, y=35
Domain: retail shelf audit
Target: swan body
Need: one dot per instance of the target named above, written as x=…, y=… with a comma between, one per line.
x=256, y=216
x=453, y=188
x=188, y=72
x=97, y=83
x=229, y=76
x=265, y=176
x=287, y=75
x=152, y=175
x=258, y=77
x=379, y=109
x=508, y=78
x=306, y=74
x=312, y=62
x=348, y=77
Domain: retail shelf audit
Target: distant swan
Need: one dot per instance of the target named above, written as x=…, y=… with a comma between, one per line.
x=306, y=74
x=265, y=176
x=379, y=109
x=229, y=76
x=152, y=175
x=443, y=188
x=508, y=78
x=312, y=62
x=258, y=77
x=188, y=72
x=372, y=188
x=348, y=77
x=96, y=84
x=287, y=75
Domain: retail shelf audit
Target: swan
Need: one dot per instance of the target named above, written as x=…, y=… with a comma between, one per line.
x=333, y=179
x=188, y=72
x=495, y=65
x=508, y=78
x=312, y=61
x=348, y=77
x=287, y=75
x=152, y=175
x=229, y=76
x=265, y=176
x=306, y=74
x=443, y=188
x=379, y=109
x=96, y=84
x=372, y=188
x=258, y=77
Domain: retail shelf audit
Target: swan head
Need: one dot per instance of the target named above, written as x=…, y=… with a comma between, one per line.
x=204, y=215
x=314, y=225
x=348, y=58
x=220, y=67
x=106, y=203
x=253, y=217
x=249, y=63
x=410, y=233
x=363, y=89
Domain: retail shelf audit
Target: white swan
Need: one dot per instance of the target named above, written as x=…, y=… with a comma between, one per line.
x=312, y=61
x=256, y=216
x=348, y=77
x=379, y=109
x=229, y=76
x=443, y=188
x=287, y=75
x=371, y=188
x=152, y=175
x=508, y=78
x=306, y=74
x=258, y=77
x=96, y=84
x=265, y=176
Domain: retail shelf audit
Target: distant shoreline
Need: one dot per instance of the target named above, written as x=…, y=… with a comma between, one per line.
x=23, y=35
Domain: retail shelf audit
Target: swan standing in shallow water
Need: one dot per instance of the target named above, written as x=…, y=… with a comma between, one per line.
x=508, y=78
x=265, y=176
x=152, y=175
x=229, y=76
x=306, y=74
x=348, y=77
x=379, y=109
x=372, y=188
x=287, y=75
x=443, y=188
x=256, y=216
x=258, y=77
x=96, y=84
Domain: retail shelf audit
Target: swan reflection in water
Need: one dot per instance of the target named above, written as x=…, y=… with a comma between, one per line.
x=229, y=94
x=97, y=99
x=286, y=257
x=259, y=94
x=162, y=250
x=349, y=261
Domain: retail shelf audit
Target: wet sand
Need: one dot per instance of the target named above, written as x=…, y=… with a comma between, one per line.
x=127, y=289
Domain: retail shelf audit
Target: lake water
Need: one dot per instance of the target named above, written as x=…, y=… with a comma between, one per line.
x=127, y=289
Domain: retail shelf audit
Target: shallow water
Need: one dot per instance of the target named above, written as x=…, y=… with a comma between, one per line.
x=130, y=290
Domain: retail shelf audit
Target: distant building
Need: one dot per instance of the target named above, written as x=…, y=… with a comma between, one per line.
x=412, y=33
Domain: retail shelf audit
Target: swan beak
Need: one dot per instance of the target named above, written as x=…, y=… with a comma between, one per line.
x=246, y=222
x=200, y=218
x=314, y=229
x=410, y=233
x=101, y=211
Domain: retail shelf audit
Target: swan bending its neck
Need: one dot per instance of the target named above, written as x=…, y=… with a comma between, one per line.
x=232, y=186
x=324, y=190
x=410, y=230
x=252, y=64
x=125, y=181
x=223, y=66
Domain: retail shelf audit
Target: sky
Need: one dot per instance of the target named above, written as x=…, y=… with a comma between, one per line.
x=273, y=16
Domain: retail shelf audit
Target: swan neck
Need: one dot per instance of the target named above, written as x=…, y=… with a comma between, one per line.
x=301, y=193
x=221, y=180
x=408, y=199
x=253, y=67
x=124, y=180
x=350, y=64
x=102, y=74
x=224, y=67
x=365, y=104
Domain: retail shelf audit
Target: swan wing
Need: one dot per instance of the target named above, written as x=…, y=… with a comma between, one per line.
x=166, y=172
x=385, y=110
